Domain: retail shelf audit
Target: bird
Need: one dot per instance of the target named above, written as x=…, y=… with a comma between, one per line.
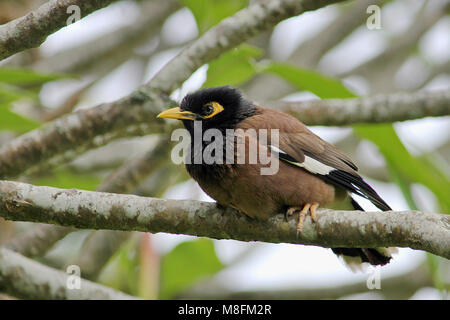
x=311, y=172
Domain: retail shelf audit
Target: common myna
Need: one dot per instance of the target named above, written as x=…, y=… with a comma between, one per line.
x=311, y=172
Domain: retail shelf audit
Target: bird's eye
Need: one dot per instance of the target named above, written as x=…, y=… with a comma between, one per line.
x=207, y=110
x=211, y=109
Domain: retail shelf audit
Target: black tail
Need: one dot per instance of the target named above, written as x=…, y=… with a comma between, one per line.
x=370, y=255
x=355, y=184
x=374, y=256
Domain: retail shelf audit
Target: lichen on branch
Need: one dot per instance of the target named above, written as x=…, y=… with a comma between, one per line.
x=98, y=210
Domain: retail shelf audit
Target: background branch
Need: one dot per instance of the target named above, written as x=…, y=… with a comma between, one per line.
x=372, y=109
x=108, y=51
x=38, y=240
x=31, y=30
x=310, y=52
x=99, y=245
x=408, y=59
x=124, y=117
x=28, y=279
x=401, y=286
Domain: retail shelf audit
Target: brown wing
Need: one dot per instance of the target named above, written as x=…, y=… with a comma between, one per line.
x=302, y=148
x=311, y=145
x=297, y=140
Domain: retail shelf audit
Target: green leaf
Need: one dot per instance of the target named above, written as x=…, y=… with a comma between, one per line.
x=434, y=265
x=233, y=68
x=12, y=121
x=404, y=186
x=322, y=86
x=7, y=96
x=208, y=13
x=10, y=91
x=186, y=263
x=20, y=76
x=412, y=168
x=122, y=270
x=65, y=179
x=408, y=168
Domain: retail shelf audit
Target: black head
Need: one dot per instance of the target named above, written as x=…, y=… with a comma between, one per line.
x=217, y=107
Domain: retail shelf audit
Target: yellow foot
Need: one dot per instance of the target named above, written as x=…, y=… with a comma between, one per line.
x=308, y=208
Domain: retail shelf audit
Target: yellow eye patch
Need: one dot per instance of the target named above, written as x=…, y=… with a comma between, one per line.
x=216, y=108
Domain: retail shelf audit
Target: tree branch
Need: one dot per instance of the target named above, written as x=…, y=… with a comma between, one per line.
x=32, y=29
x=114, y=48
x=96, y=251
x=101, y=246
x=401, y=46
x=24, y=278
x=128, y=177
x=232, y=31
x=310, y=52
x=96, y=210
x=374, y=109
x=37, y=241
x=399, y=287
x=135, y=114
x=77, y=132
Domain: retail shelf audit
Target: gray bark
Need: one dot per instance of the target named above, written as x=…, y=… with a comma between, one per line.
x=32, y=29
x=27, y=279
x=97, y=210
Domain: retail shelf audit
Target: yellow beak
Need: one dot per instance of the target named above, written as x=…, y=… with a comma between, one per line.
x=176, y=113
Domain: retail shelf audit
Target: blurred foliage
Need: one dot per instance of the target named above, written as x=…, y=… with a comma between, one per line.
x=402, y=182
x=12, y=121
x=17, y=84
x=180, y=268
x=237, y=66
x=233, y=67
x=131, y=269
x=403, y=167
x=188, y=262
x=322, y=86
x=208, y=13
x=26, y=77
x=66, y=179
x=122, y=271
x=435, y=264
x=407, y=168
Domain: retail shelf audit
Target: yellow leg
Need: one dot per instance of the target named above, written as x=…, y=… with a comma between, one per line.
x=308, y=208
x=301, y=217
x=312, y=210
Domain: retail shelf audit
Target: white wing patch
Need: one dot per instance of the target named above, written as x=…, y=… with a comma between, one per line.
x=364, y=203
x=315, y=166
x=310, y=164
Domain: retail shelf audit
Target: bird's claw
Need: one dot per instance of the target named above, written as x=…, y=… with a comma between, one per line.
x=308, y=208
